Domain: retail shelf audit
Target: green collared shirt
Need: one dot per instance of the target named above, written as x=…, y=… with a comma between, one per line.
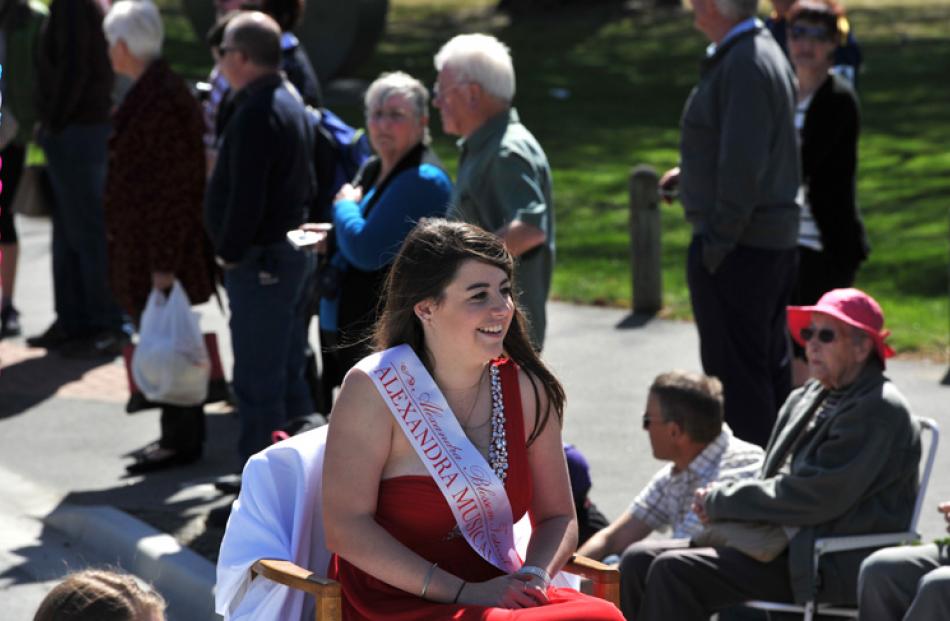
x=504, y=176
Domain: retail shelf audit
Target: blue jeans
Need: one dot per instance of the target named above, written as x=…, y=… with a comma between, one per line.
x=269, y=339
x=76, y=159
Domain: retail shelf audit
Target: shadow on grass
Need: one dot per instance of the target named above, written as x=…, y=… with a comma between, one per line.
x=923, y=277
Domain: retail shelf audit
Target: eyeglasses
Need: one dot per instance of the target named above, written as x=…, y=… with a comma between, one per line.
x=825, y=335
x=815, y=33
x=380, y=115
x=224, y=49
x=647, y=420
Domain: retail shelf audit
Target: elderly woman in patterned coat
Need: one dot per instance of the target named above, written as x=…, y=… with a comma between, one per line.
x=153, y=200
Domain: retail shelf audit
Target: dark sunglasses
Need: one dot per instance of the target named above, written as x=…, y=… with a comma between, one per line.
x=825, y=335
x=815, y=33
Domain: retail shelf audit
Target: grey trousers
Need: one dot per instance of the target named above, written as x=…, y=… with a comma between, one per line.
x=909, y=583
x=664, y=580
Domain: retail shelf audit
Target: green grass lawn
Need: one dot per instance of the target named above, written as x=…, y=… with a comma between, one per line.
x=627, y=74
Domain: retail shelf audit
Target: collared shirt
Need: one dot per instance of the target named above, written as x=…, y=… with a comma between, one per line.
x=738, y=29
x=504, y=176
x=668, y=498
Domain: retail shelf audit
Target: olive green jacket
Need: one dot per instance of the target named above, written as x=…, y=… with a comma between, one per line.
x=855, y=473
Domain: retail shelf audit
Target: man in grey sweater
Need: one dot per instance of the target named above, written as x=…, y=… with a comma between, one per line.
x=738, y=178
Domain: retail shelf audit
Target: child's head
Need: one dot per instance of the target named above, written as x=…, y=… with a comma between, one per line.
x=101, y=595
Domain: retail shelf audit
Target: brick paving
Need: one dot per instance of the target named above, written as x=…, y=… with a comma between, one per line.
x=26, y=371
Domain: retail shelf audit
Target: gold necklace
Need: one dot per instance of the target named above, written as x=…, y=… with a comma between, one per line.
x=471, y=409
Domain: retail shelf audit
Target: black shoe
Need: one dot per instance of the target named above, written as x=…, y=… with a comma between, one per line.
x=54, y=338
x=106, y=344
x=140, y=453
x=159, y=459
x=9, y=322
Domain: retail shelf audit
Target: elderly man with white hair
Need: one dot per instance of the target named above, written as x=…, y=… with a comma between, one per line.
x=504, y=180
x=153, y=200
x=738, y=179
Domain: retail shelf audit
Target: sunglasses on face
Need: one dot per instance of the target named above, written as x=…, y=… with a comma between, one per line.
x=815, y=33
x=825, y=335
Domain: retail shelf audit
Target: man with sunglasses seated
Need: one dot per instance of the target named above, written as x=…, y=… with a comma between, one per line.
x=684, y=419
x=842, y=460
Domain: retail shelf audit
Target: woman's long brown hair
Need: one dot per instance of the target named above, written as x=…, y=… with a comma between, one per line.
x=427, y=262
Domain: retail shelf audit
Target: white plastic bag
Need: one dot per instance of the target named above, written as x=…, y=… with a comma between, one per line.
x=171, y=364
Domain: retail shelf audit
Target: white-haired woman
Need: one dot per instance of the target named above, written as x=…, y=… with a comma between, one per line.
x=153, y=199
x=371, y=217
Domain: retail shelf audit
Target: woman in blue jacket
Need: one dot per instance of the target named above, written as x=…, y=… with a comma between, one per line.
x=372, y=216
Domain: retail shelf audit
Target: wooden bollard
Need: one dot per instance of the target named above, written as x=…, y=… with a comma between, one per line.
x=645, y=247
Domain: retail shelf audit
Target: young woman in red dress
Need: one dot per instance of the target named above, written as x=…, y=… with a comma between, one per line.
x=398, y=553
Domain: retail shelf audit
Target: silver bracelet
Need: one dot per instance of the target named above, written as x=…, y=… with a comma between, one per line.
x=425, y=583
x=537, y=572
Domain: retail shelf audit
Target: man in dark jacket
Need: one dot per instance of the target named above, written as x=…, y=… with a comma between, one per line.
x=738, y=178
x=260, y=188
x=74, y=103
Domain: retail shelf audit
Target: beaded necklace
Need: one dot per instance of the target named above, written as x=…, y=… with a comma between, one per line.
x=498, y=446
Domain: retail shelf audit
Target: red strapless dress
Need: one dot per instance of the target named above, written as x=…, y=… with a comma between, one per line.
x=414, y=511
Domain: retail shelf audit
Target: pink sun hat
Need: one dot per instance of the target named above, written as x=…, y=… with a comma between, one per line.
x=852, y=306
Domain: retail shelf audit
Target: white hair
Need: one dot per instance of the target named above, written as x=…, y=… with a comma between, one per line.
x=481, y=59
x=397, y=83
x=737, y=10
x=139, y=24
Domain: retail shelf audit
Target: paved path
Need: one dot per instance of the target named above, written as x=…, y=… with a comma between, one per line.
x=64, y=438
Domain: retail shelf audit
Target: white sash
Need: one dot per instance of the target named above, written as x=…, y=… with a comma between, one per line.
x=475, y=494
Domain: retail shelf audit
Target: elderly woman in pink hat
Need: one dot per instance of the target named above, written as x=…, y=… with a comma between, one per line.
x=842, y=334
x=842, y=460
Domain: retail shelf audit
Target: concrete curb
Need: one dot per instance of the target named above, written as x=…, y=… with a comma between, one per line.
x=184, y=578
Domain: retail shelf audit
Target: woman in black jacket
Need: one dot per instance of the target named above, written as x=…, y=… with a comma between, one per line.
x=832, y=241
